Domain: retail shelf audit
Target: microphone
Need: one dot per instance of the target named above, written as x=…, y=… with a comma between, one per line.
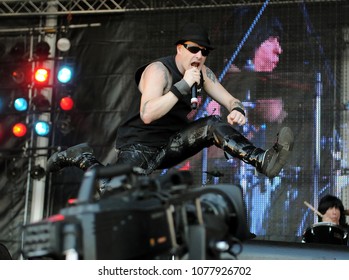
x=194, y=100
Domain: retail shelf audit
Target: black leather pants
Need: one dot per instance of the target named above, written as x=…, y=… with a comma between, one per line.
x=198, y=135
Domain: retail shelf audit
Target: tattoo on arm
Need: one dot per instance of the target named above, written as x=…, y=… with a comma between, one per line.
x=166, y=76
x=210, y=75
x=238, y=104
x=167, y=80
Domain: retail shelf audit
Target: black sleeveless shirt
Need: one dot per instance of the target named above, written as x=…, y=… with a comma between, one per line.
x=133, y=130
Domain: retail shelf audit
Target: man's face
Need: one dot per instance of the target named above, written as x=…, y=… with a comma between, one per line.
x=192, y=55
x=267, y=55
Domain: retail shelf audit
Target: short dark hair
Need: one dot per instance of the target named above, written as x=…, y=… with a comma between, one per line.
x=271, y=27
x=329, y=201
x=264, y=29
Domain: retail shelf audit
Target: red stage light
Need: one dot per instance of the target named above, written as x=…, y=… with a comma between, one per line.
x=19, y=130
x=66, y=103
x=41, y=76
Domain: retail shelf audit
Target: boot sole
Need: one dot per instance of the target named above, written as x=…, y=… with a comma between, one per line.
x=285, y=144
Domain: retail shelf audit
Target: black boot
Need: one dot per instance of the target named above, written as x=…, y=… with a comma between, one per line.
x=269, y=162
x=80, y=156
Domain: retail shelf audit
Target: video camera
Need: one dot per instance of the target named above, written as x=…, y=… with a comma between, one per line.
x=140, y=217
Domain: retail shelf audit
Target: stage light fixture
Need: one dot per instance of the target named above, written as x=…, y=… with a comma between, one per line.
x=42, y=50
x=20, y=73
x=37, y=172
x=64, y=74
x=18, y=76
x=42, y=128
x=13, y=173
x=65, y=125
x=41, y=76
x=63, y=44
x=20, y=104
x=66, y=103
x=19, y=130
x=41, y=102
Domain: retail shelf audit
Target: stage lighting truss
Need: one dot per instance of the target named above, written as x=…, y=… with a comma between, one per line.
x=34, y=70
x=27, y=65
x=35, y=86
x=23, y=115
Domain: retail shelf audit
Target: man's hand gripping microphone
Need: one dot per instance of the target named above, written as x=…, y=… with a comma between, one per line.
x=194, y=100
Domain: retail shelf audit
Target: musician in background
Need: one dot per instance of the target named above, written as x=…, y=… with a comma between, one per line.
x=332, y=209
x=332, y=227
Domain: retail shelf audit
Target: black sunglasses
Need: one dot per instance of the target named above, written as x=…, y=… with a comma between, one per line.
x=195, y=49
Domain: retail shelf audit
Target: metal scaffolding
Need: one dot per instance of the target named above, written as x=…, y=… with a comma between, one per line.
x=13, y=8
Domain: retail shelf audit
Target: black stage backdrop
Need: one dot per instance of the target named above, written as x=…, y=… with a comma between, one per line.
x=105, y=59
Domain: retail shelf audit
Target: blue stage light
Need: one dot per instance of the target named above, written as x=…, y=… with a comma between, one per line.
x=64, y=74
x=42, y=128
x=20, y=104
